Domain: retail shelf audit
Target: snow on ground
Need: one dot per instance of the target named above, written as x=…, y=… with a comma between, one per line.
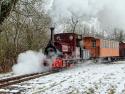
x=6, y=75
x=87, y=78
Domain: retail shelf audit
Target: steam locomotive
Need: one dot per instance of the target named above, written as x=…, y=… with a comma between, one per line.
x=70, y=48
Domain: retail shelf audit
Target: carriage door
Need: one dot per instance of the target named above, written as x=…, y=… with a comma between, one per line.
x=94, y=48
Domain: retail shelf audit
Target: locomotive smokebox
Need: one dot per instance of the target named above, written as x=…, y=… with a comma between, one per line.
x=52, y=34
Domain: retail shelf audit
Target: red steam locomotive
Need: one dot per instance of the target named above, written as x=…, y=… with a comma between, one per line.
x=69, y=48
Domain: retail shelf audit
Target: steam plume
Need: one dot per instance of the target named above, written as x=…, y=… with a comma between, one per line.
x=110, y=13
x=30, y=62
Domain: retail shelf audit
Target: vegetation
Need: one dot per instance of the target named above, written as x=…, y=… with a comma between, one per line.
x=25, y=29
x=5, y=7
x=75, y=24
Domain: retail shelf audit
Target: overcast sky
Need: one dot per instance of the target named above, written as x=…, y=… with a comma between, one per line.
x=110, y=13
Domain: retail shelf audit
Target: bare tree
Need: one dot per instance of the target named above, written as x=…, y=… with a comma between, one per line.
x=118, y=34
x=5, y=8
x=25, y=29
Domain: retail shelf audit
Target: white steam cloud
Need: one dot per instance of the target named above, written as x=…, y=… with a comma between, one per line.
x=30, y=62
x=110, y=13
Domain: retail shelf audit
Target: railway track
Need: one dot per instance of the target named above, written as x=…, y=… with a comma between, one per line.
x=18, y=79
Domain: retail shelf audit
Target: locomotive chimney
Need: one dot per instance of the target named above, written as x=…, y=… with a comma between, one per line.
x=52, y=34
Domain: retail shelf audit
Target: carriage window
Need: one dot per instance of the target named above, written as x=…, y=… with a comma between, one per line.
x=110, y=44
x=94, y=43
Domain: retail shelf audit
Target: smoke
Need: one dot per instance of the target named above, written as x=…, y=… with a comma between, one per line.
x=31, y=62
x=109, y=13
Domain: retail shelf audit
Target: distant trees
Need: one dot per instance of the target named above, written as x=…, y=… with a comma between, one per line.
x=119, y=35
x=77, y=25
x=26, y=28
